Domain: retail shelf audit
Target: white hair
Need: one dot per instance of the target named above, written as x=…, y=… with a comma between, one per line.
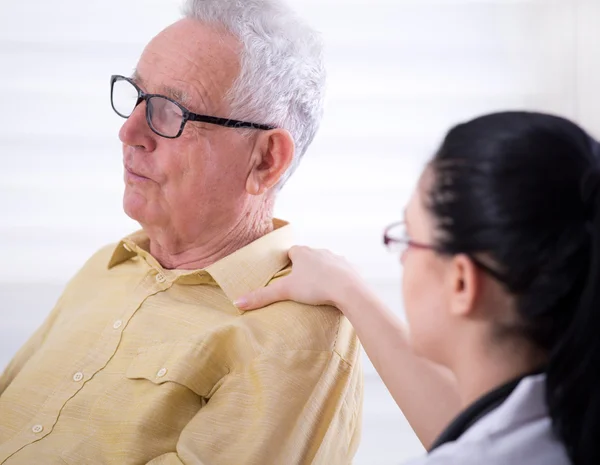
x=282, y=76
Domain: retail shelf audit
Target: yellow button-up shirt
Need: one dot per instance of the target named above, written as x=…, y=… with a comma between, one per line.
x=137, y=364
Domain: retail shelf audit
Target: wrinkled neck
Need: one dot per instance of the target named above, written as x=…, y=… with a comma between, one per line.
x=174, y=251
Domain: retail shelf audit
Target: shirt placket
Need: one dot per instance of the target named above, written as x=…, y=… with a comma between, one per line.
x=42, y=424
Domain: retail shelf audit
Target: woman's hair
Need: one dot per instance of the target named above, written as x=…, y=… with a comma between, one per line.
x=523, y=191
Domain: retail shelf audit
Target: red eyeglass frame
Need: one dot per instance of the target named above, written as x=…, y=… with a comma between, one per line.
x=389, y=240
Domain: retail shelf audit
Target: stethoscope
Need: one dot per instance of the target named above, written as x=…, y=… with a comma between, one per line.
x=476, y=411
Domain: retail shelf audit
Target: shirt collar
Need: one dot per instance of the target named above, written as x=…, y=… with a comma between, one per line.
x=128, y=248
x=526, y=403
x=247, y=269
x=514, y=403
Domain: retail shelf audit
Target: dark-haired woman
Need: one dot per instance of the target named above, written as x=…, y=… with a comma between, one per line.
x=500, y=246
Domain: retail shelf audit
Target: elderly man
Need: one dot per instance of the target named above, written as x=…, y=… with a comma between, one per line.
x=145, y=359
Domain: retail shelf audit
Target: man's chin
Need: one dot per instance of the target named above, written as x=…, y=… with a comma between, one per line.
x=140, y=209
x=135, y=206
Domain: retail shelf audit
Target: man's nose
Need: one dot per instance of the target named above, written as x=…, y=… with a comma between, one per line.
x=136, y=132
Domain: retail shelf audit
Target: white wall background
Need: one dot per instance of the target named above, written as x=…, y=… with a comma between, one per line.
x=400, y=73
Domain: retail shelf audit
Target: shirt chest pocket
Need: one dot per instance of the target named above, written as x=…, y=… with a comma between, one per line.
x=144, y=412
x=179, y=363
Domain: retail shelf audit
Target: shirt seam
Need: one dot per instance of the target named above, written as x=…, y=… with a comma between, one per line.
x=337, y=335
x=287, y=351
x=234, y=370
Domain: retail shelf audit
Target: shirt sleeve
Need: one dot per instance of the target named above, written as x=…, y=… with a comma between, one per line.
x=27, y=350
x=295, y=407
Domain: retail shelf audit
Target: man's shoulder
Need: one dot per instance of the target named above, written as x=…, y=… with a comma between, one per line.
x=99, y=260
x=104, y=254
x=294, y=326
x=96, y=266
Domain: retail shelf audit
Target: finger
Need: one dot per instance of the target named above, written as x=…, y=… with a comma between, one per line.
x=296, y=250
x=275, y=292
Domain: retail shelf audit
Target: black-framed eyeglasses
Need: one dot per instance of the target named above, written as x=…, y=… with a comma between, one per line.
x=165, y=116
x=397, y=240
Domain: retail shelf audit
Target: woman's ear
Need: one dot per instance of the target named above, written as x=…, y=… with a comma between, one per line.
x=271, y=157
x=464, y=283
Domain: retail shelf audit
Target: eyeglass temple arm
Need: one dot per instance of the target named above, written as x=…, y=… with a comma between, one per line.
x=230, y=123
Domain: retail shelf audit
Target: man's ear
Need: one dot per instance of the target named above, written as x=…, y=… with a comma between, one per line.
x=465, y=286
x=271, y=157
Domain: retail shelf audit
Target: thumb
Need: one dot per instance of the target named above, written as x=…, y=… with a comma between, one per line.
x=275, y=292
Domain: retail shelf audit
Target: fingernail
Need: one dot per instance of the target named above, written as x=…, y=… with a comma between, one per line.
x=241, y=303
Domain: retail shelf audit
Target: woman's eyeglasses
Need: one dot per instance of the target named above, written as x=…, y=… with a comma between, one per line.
x=397, y=240
x=165, y=116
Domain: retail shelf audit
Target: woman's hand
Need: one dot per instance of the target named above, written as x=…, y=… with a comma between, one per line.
x=318, y=277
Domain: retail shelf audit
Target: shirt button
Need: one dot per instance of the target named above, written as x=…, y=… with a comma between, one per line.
x=160, y=278
x=162, y=372
x=117, y=324
x=78, y=376
x=37, y=429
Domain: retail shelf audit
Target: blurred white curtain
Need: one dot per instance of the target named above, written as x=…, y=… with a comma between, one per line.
x=400, y=73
